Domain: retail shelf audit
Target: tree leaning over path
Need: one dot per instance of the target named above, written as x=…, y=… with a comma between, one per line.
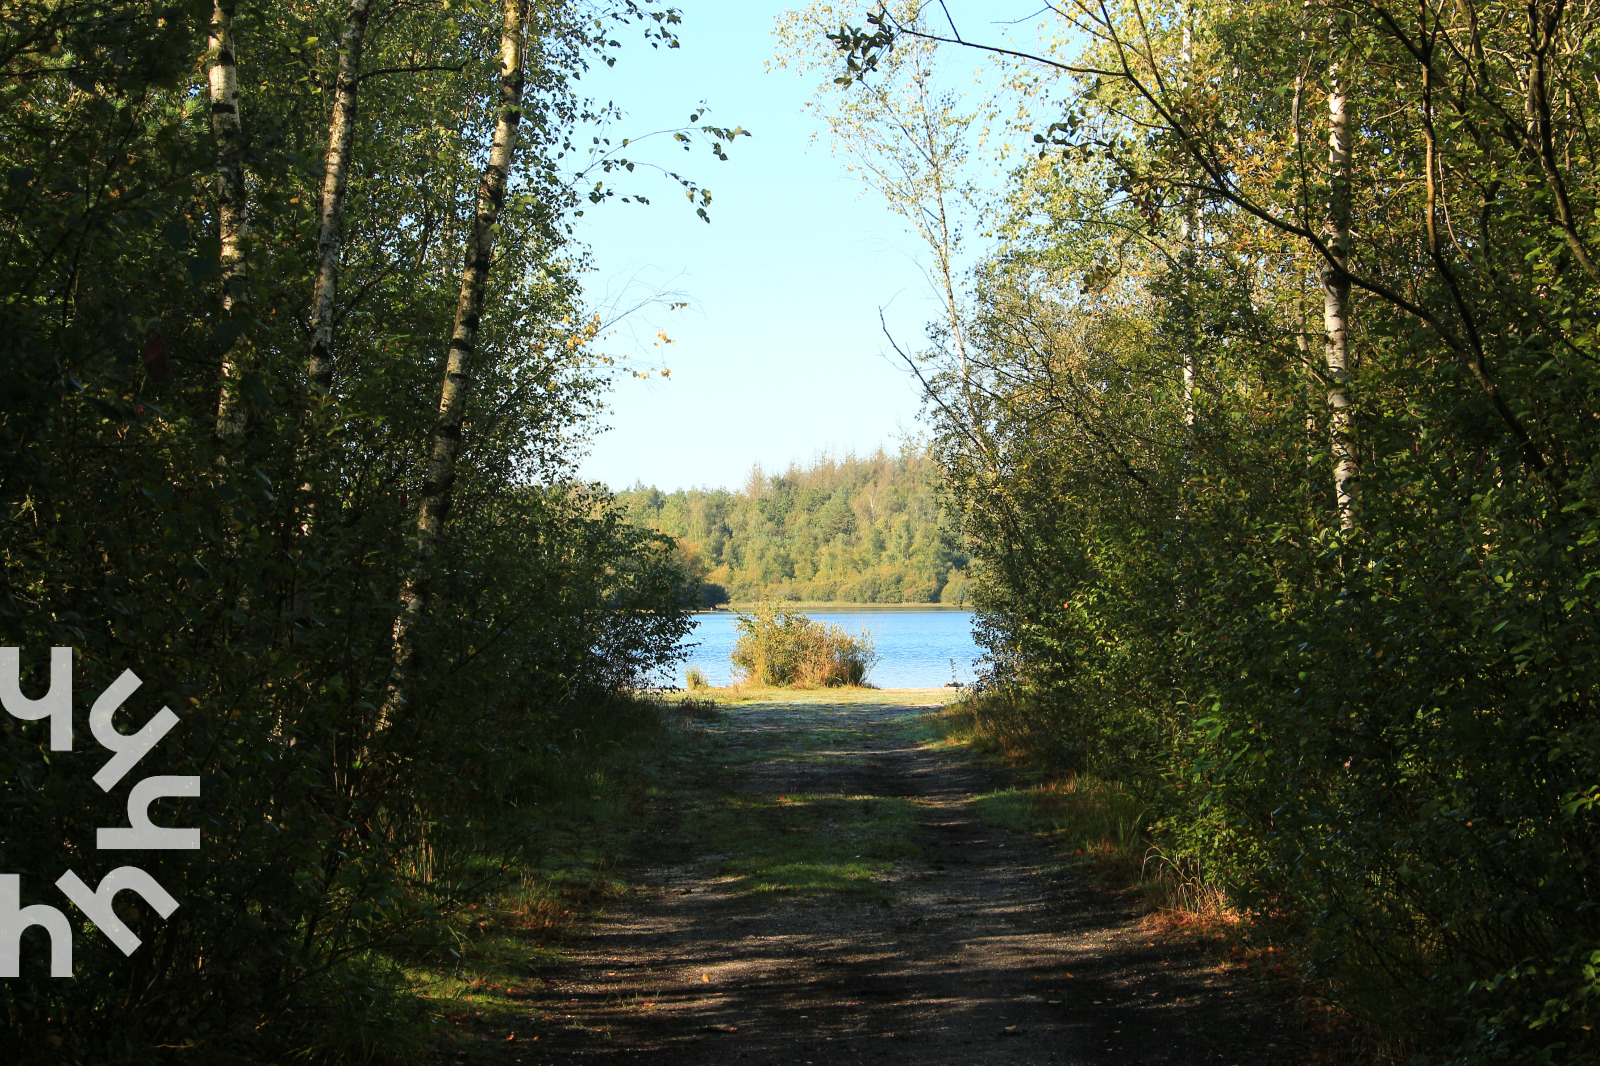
x=434, y=507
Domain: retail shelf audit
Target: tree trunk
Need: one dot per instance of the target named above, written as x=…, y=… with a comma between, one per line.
x=436, y=490
x=1188, y=254
x=1336, y=294
x=233, y=208
x=330, y=248
x=335, y=182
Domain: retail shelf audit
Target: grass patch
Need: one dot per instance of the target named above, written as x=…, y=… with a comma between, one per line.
x=1087, y=819
x=1009, y=808
x=1094, y=823
x=808, y=844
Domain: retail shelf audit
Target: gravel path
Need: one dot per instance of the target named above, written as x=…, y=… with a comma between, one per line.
x=977, y=953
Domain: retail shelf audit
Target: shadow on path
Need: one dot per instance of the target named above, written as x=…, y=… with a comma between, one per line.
x=973, y=952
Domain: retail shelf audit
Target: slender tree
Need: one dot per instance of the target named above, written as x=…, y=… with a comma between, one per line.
x=1187, y=252
x=446, y=447
x=1336, y=281
x=233, y=208
x=335, y=183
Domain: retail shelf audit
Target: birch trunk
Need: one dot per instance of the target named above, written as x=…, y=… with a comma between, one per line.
x=335, y=182
x=1336, y=296
x=441, y=472
x=330, y=249
x=233, y=208
x=1188, y=253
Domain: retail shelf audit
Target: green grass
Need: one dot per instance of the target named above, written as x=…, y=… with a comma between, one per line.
x=1010, y=808
x=807, y=844
x=803, y=844
x=591, y=797
x=1090, y=820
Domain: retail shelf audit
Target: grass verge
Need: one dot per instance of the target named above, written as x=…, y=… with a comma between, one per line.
x=1094, y=823
x=574, y=807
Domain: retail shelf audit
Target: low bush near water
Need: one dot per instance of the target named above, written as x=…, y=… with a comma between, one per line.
x=785, y=648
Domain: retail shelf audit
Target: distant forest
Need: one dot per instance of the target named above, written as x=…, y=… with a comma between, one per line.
x=852, y=530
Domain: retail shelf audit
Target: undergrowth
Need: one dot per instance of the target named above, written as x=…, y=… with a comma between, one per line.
x=1101, y=827
x=570, y=810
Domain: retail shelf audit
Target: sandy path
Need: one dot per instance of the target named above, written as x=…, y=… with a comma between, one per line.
x=976, y=955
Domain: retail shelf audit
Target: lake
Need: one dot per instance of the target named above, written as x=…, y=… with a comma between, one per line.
x=915, y=645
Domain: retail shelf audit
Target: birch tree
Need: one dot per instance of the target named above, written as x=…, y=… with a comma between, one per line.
x=1336, y=279
x=447, y=433
x=335, y=185
x=233, y=215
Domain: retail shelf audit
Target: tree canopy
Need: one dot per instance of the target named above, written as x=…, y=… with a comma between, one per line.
x=858, y=529
x=1270, y=425
x=295, y=370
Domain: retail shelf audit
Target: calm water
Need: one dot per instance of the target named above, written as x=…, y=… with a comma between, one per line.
x=914, y=646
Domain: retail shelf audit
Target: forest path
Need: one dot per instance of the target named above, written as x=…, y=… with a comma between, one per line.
x=820, y=887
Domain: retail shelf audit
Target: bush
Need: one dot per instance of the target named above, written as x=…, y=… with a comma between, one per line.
x=785, y=648
x=696, y=678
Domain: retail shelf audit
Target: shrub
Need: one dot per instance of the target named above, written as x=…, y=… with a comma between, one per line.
x=696, y=678
x=785, y=648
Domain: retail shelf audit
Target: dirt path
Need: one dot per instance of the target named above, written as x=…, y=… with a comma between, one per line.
x=822, y=889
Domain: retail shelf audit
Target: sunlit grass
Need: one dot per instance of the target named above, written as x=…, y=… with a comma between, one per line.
x=808, y=844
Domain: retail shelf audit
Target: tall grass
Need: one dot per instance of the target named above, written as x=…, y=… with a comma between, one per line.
x=1091, y=817
x=784, y=648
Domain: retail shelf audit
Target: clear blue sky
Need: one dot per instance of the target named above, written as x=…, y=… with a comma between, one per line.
x=780, y=354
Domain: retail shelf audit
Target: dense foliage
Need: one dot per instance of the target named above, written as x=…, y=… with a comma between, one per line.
x=852, y=530
x=186, y=492
x=786, y=648
x=1272, y=426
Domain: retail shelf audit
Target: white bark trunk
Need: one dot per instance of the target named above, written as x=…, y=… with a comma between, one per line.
x=233, y=207
x=335, y=183
x=1188, y=253
x=441, y=474
x=1336, y=299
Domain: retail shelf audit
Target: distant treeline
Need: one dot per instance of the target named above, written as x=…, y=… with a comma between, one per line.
x=853, y=530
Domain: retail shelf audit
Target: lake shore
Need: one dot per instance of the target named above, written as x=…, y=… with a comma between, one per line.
x=741, y=695
x=915, y=648
x=837, y=606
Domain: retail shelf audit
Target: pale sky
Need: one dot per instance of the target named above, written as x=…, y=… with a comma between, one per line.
x=781, y=354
